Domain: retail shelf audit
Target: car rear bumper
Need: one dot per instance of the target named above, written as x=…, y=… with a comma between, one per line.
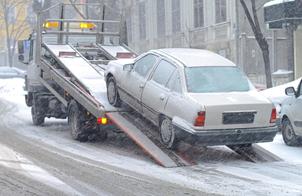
x=226, y=136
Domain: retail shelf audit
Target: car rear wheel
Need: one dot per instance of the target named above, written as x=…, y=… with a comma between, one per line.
x=288, y=133
x=167, y=133
x=112, y=93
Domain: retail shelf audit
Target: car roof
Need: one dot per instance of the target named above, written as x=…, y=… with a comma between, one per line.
x=194, y=57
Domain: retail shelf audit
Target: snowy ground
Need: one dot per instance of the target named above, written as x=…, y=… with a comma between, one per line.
x=219, y=170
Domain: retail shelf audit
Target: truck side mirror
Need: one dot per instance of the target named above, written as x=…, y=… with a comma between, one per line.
x=24, y=50
x=290, y=91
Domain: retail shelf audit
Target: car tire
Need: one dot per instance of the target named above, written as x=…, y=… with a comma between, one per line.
x=75, y=122
x=112, y=93
x=38, y=117
x=167, y=133
x=288, y=133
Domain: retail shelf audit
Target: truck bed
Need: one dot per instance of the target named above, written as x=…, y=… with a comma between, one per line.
x=92, y=79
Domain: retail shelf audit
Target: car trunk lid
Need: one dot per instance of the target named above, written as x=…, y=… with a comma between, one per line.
x=234, y=110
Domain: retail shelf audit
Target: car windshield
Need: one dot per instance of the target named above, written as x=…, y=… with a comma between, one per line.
x=216, y=79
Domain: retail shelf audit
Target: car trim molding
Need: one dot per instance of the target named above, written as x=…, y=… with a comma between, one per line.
x=298, y=123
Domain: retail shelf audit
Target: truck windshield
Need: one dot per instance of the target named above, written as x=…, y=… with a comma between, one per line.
x=216, y=79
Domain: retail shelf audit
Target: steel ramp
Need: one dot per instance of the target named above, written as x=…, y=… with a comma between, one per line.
x=255, y=153
x=144, y=142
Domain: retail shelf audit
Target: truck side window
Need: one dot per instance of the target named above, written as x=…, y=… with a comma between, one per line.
x=144, y=65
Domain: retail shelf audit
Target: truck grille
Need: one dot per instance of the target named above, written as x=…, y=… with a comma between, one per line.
x=238, y=117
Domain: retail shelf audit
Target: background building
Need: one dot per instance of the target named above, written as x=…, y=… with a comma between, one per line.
x=217, y=25
x=20, y=19
x=288, y=15
x=298, y=52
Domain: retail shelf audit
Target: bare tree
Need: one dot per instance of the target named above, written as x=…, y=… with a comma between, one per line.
x=261, y=40
x=15, y=24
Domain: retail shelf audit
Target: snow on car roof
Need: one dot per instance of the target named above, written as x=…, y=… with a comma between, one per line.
x=195, y=57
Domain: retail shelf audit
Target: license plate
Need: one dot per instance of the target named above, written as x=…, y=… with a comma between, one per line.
x=238, y=117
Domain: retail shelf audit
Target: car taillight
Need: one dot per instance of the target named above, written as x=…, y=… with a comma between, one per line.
x=200, y=119
x=273, y=115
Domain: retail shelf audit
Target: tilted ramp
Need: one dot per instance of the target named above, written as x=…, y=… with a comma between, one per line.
x=255, y=153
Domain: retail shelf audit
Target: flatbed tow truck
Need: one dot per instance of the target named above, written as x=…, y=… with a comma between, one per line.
x=66, y=61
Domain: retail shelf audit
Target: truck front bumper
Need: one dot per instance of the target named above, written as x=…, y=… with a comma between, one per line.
x=225, y=136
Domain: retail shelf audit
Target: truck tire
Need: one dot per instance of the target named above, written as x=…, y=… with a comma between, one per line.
x=76, y=123
x=102, y=134
x=29, y=99
x=288, y=134
x=37, y=116
x=167, y=133
x=112, y=93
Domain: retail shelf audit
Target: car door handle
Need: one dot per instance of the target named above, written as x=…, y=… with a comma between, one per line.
x=162, y=97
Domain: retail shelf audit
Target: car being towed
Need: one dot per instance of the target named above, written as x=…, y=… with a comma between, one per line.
x=194, y=95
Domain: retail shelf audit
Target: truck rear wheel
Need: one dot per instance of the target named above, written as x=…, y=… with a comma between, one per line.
x=76, y=123
x=37, y=116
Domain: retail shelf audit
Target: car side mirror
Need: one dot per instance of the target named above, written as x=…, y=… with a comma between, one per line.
x=290, y=91
x=128, y=67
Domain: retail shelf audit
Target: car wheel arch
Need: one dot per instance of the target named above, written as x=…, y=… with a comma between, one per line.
x=109, y=75
x=160, y=118
x=284, y=117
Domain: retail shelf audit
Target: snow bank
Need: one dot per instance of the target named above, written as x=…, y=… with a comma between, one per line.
x=12, y=89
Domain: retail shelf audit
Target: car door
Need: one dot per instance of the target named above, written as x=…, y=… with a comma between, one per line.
x=134, y=81
x=156, y=93
x=296, y=108
x=177, y=105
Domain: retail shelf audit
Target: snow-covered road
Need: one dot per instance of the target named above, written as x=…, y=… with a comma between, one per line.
x=49, y=161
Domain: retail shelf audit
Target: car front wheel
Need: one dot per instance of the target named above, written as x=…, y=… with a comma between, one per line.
x=167, y=133
x=288, y=134
x=112, y=93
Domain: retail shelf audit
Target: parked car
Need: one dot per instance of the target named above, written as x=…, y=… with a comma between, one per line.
x=192, y=95
x=291, y=116
x=11, y=72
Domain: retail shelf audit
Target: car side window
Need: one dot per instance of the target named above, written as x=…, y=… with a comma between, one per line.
x=144, y=65
x=174, y=83
x=163, y=72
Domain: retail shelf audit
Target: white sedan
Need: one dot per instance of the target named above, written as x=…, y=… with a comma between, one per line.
x=291, y=116
x=193, y=95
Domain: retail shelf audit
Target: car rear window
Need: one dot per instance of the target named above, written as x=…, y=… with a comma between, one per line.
x=216, y=79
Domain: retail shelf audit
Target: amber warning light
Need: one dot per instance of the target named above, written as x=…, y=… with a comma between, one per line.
x=102, y=121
